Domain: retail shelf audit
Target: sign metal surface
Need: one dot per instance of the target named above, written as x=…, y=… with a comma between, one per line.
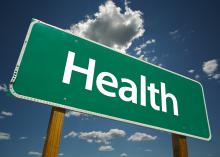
x=60, y=69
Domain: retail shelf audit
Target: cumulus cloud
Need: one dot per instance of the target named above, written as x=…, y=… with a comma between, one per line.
x=138, y=137
x=174, y=32
x=71, y=134
x=153, y=60
x=197, y=76
x=142, y=57
x=177, y=35
x=209, y=67
x=123, y=155
x=112, y=27
x=106, y=148
x=216, y=76
x=7, y=114
x=101, y=137
x=60, y=154
x=23, y=138
x=5, y=136
x=76, y=114
x=191, y=71
x=34, y=153
x=150, y=59
x=160, y=65
x=194, y=73
x=139, y=48
x=3, y=87
x=72, y=113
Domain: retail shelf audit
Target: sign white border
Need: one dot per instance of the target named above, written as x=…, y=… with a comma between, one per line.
x=35, y=21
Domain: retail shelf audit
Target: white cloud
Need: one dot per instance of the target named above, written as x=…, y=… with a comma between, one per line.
x=216, y=76
x=5, y=136
x=197, y=76
x=138, y=137
x=23, y=138
x=160, y=64
x=153, y=60
x=72, y=113
x=90, y=141
x=8, y=114
x=34, y=153
x=191, y=71
x=112, y=27
x=101, y=137
x=141, y=57
x=85, y=118
x=71, y=134
x=174, y=32
x=148, y=150
x=150, y=59
x=3, y=87
x=60, y=154
x=209, y=67
x=106, y=148
x=139, y=48
x=181, y=35
x=123, y=154
x=175, y=35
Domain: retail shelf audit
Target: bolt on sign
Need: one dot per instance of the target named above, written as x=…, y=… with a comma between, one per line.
x=60, y=69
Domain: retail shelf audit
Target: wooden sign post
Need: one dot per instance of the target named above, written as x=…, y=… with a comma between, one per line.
x=53, y=138
x=179, y=146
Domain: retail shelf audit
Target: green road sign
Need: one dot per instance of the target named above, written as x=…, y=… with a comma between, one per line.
x=63, y=70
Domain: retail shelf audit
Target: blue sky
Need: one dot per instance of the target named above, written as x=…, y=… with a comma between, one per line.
x=180, y=36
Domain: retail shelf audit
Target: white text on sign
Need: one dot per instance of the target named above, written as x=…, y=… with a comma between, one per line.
x=100, y=81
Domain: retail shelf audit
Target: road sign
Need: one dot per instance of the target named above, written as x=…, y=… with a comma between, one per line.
x=64, y=70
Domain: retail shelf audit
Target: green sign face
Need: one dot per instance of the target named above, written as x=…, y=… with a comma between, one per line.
x=60, y=69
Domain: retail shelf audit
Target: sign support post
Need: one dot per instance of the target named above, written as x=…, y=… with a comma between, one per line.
x=53, y=138
x=179, y=146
